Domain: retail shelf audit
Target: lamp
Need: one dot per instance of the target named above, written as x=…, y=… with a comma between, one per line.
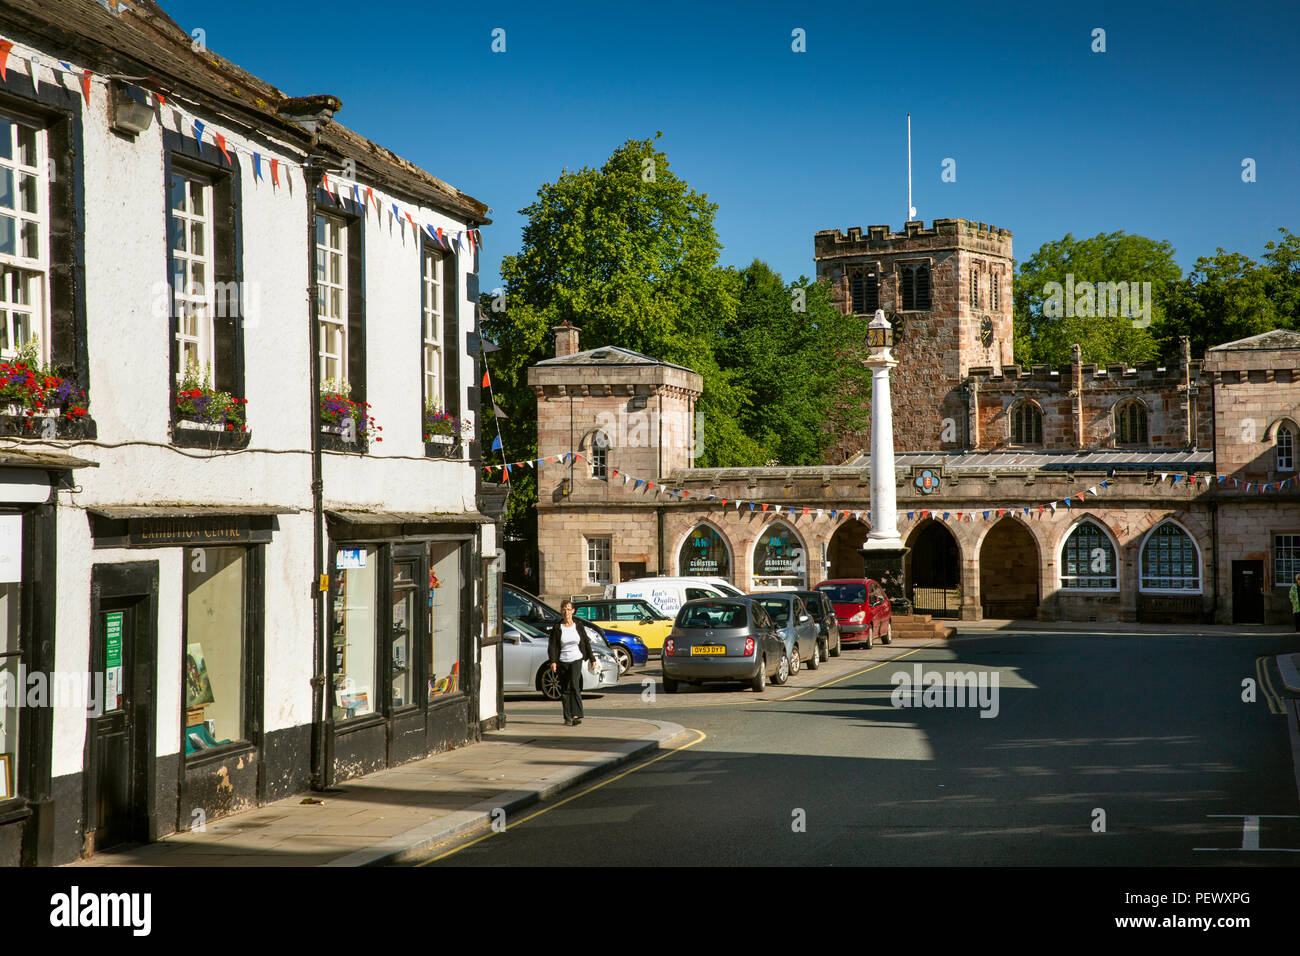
x=131, y=113
x=880, y=335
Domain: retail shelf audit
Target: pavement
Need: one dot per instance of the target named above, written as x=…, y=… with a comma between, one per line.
x=398, y=815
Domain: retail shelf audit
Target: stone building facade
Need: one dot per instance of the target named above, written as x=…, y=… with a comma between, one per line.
x=1145, y=493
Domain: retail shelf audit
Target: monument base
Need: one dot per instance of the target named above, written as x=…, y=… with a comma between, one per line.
x=885, y=565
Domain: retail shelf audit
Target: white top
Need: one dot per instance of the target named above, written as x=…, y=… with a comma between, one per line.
x=570, y=647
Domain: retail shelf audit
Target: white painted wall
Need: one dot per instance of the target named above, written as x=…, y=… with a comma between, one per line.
x=126, y=269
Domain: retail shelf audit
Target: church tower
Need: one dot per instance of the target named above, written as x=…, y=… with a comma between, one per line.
x=947, y=292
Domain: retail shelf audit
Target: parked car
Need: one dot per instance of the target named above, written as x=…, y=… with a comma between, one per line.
x=527, y=669
x=861, y=607
x=628, y=648
x=721, y=585
x=724, y=639
x=633, y=615
x=522, y=606
x=823, y=612
x=666, y=594
x=801, y=634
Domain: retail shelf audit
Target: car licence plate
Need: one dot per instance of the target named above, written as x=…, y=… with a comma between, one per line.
x=708, y=649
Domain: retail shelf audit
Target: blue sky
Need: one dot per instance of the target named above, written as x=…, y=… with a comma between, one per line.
x=1048, y=137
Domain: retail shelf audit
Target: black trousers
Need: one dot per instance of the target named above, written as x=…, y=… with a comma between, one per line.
x=571, y=688
x=1297, y=621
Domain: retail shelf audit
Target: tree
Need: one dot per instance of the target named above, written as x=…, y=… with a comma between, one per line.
x=1058, y=300
x=1224, y=297
x=628, y=253
x=798, y=357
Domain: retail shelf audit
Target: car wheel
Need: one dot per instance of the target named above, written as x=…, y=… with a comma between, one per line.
x=868, y=642
x=548, y=682
x=783, y=671
x=624, y=658
x=835, y=651
x=759, y=683
x=794, y=661
x=887, y=637
x=670, y=685
x=815, y=661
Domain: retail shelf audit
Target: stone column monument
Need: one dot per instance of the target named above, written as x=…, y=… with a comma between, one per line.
x=883, y=551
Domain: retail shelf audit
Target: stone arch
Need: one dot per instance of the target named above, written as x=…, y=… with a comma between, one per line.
x=1032, y=431
x=1061, y=569
x=843, y=550
x=1009, y=568
x=779, y=557
x=1137, y=428
x=1142, y=565
x=709, y=561
x=932, y=569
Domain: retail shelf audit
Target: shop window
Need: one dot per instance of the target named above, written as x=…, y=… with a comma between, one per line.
x=598, y=560
x=1088, y=559
x=446, y=589
x=1170, y=561
x=779, y=558
x=704, y=554
x=1130, y=423
x=215, y=647
x=1285, y=449
x=24, y=233
x=1026, y=423
x=1286, y=558
x=353, y=640
x=11, y=533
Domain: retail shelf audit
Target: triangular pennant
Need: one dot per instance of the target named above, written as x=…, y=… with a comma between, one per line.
x=85, y=85
x=765, y=506
x=275, y=172
x=35, y=65
x=257, y=166
x=221, y=145
x=199, y=127
x=5, y=47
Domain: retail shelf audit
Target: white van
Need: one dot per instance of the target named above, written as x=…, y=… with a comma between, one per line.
x=666, y=594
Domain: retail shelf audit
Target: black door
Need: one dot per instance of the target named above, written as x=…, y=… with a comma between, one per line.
x=115, y=728
x=1247, y=592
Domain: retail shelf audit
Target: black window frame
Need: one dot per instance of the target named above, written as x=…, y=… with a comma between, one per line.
x=60, y=116
x=354, y=217
x=913, y=294
x=452, y=346
x=864, y=290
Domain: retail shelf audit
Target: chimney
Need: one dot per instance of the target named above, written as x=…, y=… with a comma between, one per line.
x=566, y=339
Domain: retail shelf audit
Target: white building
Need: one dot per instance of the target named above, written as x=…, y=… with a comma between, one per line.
x=256, y=628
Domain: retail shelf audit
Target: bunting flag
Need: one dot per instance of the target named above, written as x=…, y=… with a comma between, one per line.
x=496, y=445
x=198, y=134
x=5, y=47
x=221, y=145
x=34, y=63
x=257, y=166
x=85, y=85
x=487, y=379
x=275, y=172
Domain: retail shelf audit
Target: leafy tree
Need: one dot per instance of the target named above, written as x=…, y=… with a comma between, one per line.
x=1047, y=323
x=1224, y=297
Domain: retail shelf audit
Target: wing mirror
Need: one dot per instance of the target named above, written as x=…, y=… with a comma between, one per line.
x=804, y=619
x=512, y=637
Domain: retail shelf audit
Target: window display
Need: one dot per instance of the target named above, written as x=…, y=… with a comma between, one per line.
x=214, y=675
x=704, y=554
x=446, y=585
x=353, y=631
x=404, y=605
x=779, y=559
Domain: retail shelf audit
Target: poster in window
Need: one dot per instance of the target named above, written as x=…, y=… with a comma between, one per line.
x=704, y=554
x=113, y=689
x=778, y=554
x=198, y=688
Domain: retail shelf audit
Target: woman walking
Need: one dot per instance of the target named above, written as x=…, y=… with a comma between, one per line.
x=568, y=647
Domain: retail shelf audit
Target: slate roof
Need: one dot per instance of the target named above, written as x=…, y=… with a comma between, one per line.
x=141, y=40
x=1264, y=342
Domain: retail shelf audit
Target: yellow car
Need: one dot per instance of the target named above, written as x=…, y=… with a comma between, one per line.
x=631, y=615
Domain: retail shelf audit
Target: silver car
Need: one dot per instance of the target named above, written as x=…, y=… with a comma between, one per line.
x=723, y=639
x=801, y=634
x=527, y=669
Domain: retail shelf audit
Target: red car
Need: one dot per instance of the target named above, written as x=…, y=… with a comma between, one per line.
x=861, y=607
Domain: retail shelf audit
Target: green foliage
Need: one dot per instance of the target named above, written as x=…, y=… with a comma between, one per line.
x=1116, y=257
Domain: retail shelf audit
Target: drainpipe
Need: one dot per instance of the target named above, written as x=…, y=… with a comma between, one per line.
x=319, y=652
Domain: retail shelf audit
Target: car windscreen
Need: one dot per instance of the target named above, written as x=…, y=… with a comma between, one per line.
x=844, y=593
x=814, y=606
x=778, y=609
x=712, y=615
x=525, y=628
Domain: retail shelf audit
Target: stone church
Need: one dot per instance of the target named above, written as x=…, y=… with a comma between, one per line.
x=1138, y=494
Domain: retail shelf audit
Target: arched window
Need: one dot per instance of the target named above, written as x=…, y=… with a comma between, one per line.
x=1026, y=423
x=599, y=455
x=1285, y=448
x=1170, y=561
x=1088, y=559
x=1130, y=423
x=704, y=554
x=779, y=558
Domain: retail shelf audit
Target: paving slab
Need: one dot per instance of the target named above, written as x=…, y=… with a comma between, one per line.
x=399, y=813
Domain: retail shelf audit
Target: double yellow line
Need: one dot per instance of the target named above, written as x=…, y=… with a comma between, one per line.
x=1275, y=705
x=641, y=766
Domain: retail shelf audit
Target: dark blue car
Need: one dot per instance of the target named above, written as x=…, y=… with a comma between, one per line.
x=628, y=649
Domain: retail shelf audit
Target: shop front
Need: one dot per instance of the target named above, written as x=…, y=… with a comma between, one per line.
x=138, y=785
x=402, y=617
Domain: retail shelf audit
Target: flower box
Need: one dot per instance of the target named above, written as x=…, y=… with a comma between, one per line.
x=442, y=440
